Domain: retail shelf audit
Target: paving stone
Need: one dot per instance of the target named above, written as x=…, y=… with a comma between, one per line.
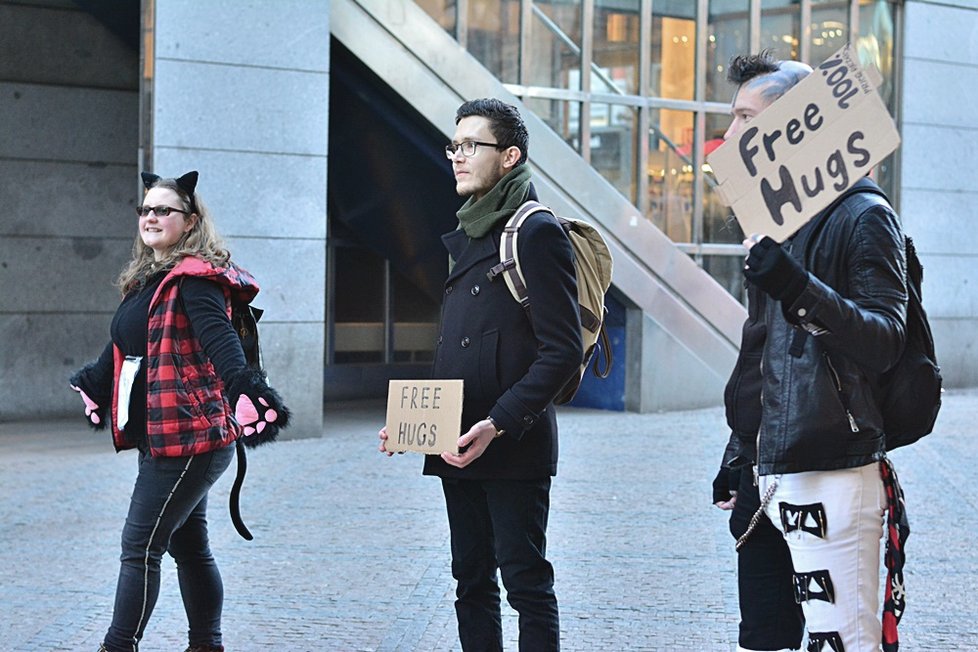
x=351, y=549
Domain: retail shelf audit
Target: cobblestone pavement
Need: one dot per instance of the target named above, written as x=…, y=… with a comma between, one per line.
x=351, y=548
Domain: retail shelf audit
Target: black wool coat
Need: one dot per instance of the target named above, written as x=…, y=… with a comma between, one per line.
x=512, y=361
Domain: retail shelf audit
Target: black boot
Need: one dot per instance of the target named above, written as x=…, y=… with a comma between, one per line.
x=205, y=648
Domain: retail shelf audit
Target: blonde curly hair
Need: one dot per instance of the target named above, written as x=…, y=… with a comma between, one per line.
x=202, y=241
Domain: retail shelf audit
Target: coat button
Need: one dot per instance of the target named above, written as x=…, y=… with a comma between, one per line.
x=475, y=290
x=439, y=339
x=802, y=312
x=465, y=342
x=528, y=420
x=448, y=290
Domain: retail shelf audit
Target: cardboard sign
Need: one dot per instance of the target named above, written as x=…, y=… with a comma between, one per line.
x=424, y=416
x=805, y=149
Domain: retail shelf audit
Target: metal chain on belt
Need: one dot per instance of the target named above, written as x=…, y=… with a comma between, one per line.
x=765, y=501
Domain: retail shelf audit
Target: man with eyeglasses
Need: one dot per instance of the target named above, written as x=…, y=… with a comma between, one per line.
x=513, y=363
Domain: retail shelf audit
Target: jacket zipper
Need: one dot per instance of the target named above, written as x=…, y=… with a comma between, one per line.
x=838, y=388
x=757, y=450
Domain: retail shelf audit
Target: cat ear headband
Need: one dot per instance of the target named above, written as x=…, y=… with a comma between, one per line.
x=186, y=183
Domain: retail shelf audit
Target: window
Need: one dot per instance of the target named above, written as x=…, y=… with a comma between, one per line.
x=674, y=95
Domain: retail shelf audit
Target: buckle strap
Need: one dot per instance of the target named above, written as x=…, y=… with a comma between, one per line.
x=825, y=642
x=814, y=585
x=499, y=268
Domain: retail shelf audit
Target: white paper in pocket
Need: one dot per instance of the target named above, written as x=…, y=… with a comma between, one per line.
x=130, y=367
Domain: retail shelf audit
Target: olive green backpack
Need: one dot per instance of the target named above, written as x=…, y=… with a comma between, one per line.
x=593, y=264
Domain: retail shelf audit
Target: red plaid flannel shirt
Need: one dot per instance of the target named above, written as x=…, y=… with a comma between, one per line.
x=187, y=411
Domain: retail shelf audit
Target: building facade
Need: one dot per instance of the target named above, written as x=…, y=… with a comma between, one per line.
x=317, y=127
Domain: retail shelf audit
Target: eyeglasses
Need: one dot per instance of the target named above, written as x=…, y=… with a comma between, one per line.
x=468, y=148
x=161, y=211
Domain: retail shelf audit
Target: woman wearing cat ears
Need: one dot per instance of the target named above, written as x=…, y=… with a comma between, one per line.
x=174, y=384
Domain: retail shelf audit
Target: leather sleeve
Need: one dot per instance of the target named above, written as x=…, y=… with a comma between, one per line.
x=867, y=323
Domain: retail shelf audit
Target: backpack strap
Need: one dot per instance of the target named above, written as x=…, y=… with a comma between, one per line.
x=511, y=270
x=604, y=345
x=867, y=192
x=509, y=263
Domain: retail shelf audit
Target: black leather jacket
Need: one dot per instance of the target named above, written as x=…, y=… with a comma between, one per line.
x=821, y=357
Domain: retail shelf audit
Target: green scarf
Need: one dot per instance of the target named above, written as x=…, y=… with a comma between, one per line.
x=477, y=218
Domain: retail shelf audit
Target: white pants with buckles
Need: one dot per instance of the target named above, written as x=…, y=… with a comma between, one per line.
x=833, y=523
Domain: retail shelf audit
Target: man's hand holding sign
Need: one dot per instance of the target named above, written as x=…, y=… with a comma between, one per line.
x=805, y=149
x=423, y=416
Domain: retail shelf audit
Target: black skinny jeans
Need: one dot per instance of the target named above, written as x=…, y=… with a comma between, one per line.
x=770, y=619
x=168, y=513
x=502, y=523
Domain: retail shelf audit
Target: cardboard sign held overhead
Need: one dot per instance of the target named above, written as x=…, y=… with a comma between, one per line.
x=805, y=149
x=424, y=416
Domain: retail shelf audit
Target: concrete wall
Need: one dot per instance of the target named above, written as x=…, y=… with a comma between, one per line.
x=663, y=373
x=68, y=139
x=241, y=93
x=939, y=193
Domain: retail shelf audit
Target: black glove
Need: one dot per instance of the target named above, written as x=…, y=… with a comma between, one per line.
x=775, y=272
x=727, y=481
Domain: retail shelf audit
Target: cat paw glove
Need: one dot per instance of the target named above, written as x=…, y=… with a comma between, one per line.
x=96, y=405
x=94, y=413
x=258, y=408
